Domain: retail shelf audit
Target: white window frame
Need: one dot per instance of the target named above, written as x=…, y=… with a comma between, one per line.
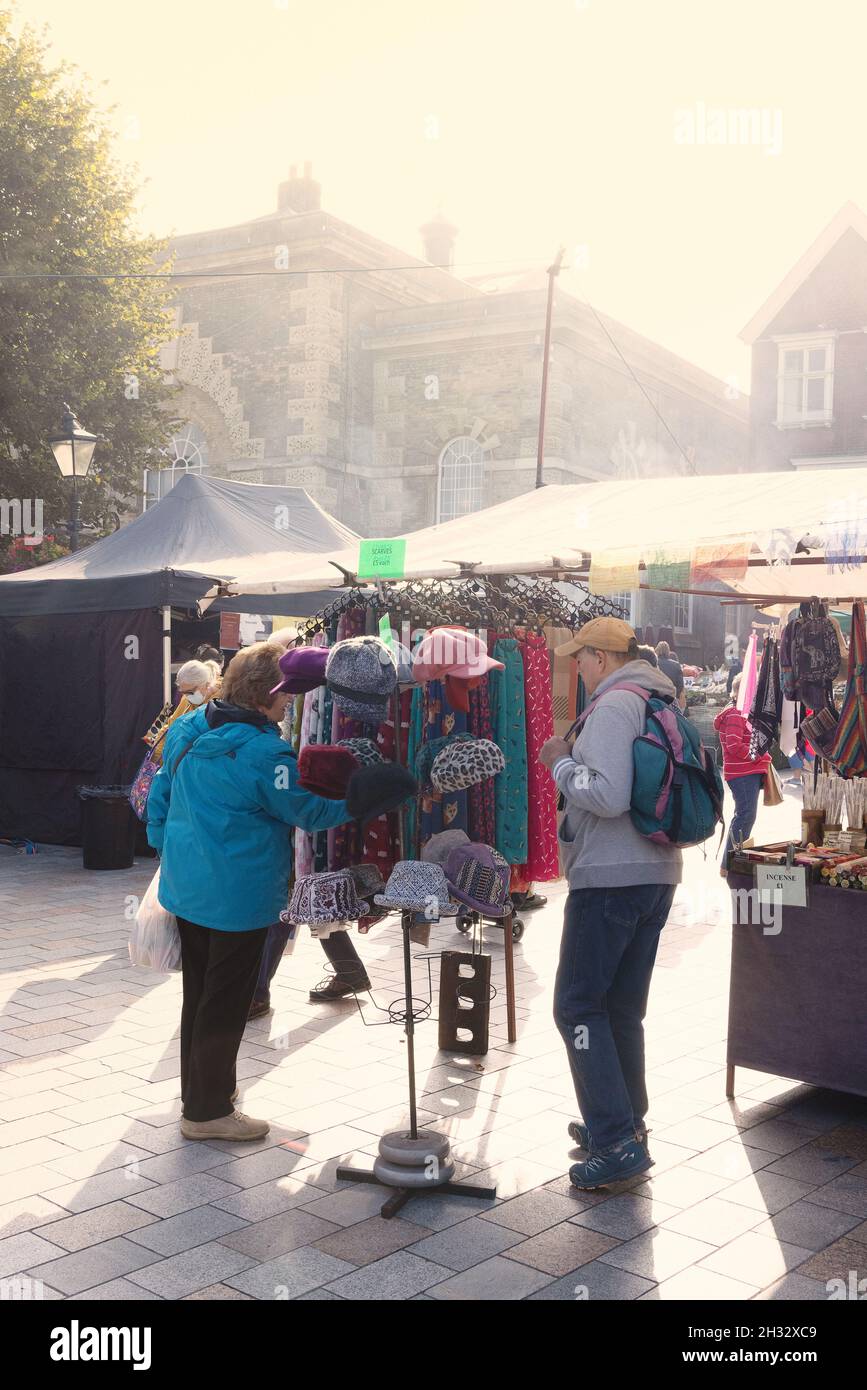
x=805, y=343
x=678, y=599
x=477, y=487
x=626, y=598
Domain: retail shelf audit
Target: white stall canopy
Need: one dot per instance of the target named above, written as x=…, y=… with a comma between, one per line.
x=657, y=527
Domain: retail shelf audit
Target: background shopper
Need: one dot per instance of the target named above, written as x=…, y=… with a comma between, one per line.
x=673, y=669
x=745, y=775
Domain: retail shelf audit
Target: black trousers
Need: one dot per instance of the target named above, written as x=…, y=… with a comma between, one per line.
x=219, y=974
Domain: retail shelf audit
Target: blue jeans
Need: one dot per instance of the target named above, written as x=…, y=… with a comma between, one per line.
x=745, y=791
x=607, y=953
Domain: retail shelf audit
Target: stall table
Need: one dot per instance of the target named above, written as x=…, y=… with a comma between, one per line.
x=798, y=997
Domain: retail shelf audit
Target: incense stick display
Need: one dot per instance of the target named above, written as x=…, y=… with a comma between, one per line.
x=826, y=795
x=856, y=802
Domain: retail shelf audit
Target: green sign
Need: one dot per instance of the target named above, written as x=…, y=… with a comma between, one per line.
x=386, y=633
x=381, y=559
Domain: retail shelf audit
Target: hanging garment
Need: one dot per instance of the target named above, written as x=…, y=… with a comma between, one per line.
x=416, y=734
x=382, y=836
x=848, y=749
x=788, y=737
x=812, y=653
x=345, y=844
x=482, y=800
x=543, y=859
x=304, y=847
x=563, y=671
x=749, y=675
x=767, y=707
x=508, y=716
x=441, y=810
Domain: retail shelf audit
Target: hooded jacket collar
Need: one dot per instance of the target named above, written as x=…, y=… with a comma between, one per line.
x=220, y=712
x=637, y=673
x=221, y=728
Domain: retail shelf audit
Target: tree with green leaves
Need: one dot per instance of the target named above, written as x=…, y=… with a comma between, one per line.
x=69, y=331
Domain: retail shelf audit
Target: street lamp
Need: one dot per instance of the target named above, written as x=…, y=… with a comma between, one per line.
x=73, y=449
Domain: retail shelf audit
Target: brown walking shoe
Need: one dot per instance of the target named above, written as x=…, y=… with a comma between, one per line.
x=236, y=1126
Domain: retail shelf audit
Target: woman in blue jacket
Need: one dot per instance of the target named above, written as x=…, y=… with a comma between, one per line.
x=219, y=813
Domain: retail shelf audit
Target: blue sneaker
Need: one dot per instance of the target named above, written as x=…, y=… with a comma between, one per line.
x=580, y=1134
x=612, y=1165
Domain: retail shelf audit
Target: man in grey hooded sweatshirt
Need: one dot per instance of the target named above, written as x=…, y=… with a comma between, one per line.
x=621, y=889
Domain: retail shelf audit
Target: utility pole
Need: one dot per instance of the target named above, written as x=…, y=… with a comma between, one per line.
x=553, y=272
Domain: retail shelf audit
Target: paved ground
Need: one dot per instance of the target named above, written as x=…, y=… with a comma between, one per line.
x=100, y=1197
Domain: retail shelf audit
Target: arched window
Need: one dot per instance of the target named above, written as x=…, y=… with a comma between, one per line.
x=461, y=484
x=187, y=450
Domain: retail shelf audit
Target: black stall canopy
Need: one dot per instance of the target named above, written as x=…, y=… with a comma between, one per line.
x=83, y=654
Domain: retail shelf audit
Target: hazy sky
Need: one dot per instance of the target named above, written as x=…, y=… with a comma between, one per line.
x=591, y=122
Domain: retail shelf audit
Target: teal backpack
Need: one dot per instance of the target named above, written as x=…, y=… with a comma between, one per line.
x=677, y=791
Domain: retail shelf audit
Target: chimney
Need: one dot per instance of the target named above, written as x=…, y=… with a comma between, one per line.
x=300, y=192
x=438, y=240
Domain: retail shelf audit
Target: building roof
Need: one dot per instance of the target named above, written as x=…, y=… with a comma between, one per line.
x=850, y=217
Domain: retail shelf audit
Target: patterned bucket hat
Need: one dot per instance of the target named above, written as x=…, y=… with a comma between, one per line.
x=439, y=847
x=418, y=887
x=361, y=674
x=368, y=880
x=464, y=764
x=363, y=749
x=478, y=876
x=322, y=898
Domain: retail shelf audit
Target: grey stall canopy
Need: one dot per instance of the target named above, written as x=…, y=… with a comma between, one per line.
x=205, y=530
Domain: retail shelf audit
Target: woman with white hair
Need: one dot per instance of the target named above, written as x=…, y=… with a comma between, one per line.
x=196, y=682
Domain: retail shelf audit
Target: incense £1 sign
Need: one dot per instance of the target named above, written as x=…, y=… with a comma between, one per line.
x=381, y=559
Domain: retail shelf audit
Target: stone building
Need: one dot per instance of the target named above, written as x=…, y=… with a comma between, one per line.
x=399, y=394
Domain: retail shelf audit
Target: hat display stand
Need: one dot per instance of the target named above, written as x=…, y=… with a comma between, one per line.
x=415, y=1161
x=412, y=1162
x=512, y=929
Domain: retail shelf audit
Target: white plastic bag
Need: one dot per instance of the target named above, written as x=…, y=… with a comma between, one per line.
x=155, y=942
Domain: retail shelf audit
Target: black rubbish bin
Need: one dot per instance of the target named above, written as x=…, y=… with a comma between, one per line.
x=108, y=828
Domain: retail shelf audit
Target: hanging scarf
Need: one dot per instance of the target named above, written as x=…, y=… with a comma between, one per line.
x=767, y=707
x=747, y=687
x=543, y=864
x=508, y=718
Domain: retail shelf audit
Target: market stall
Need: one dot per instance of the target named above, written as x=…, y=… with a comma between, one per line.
x=92, y=633
x=802, y=540
x=466, y=714
x=799, y=943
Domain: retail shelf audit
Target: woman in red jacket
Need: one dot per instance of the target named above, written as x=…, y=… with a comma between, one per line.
x=745, y=775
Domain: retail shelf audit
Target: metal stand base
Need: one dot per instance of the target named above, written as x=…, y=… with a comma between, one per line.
x=401, y=1195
